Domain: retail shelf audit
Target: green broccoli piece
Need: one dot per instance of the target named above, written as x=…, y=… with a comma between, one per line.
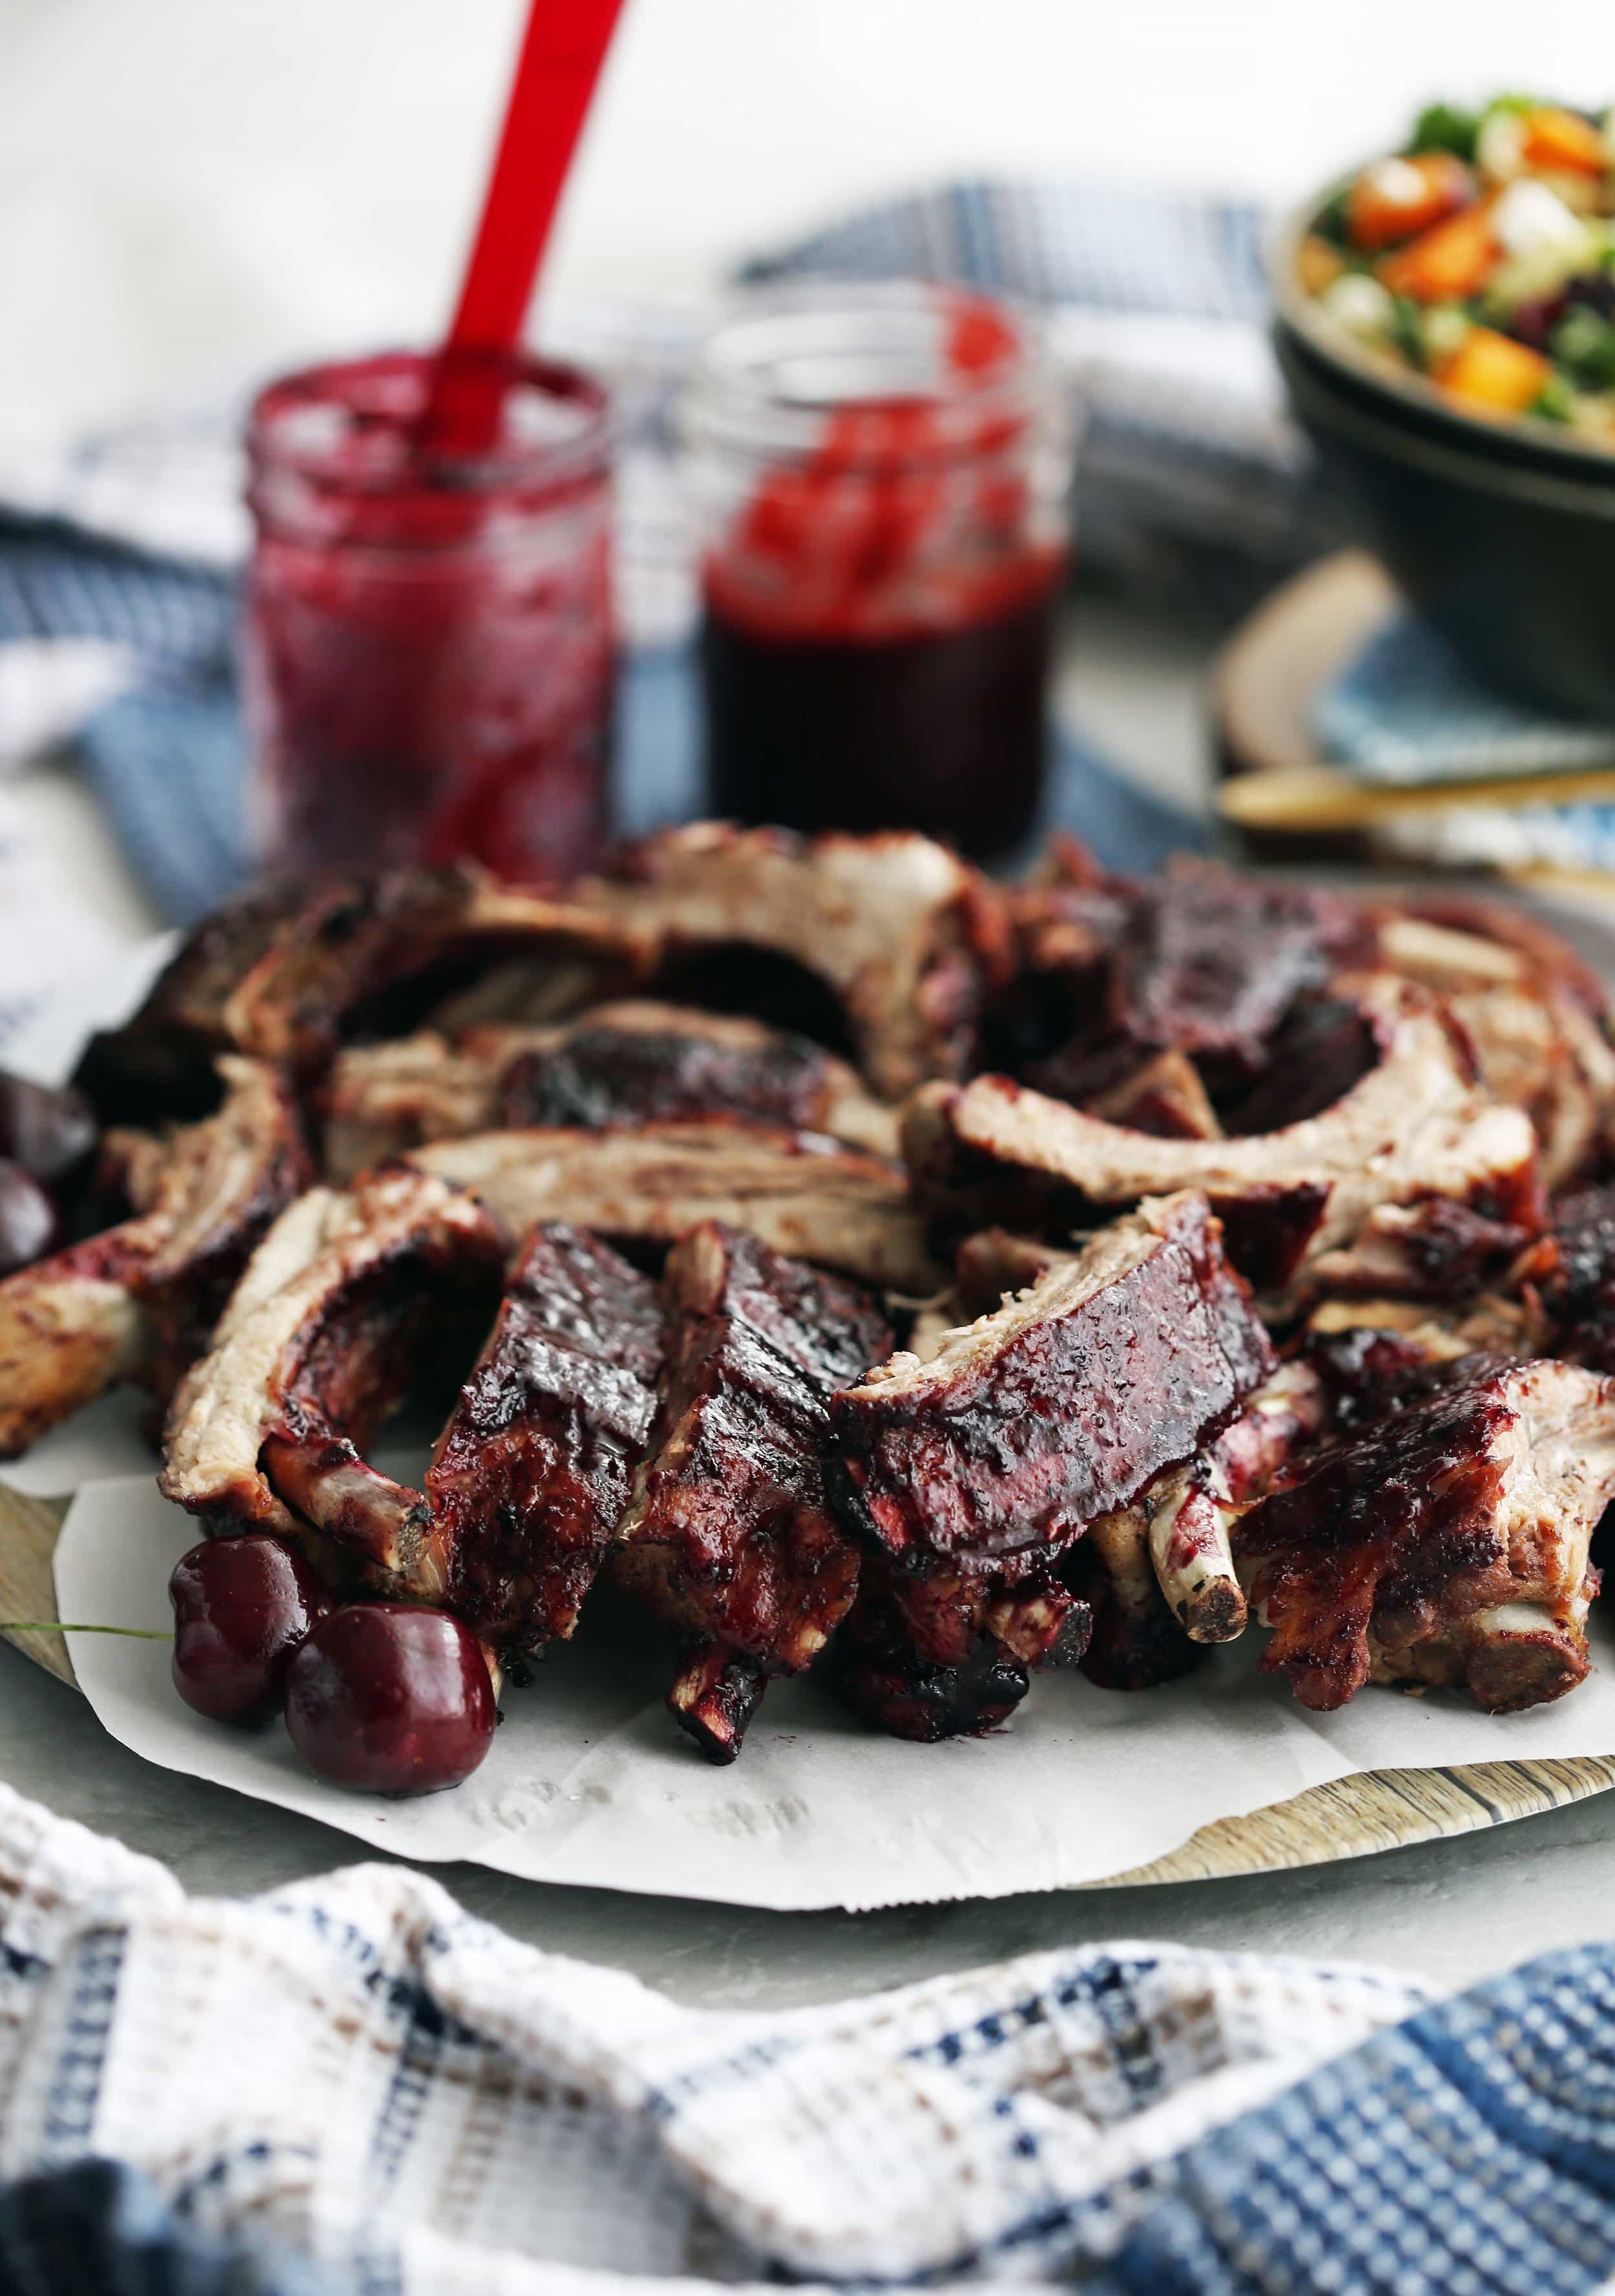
x=1446, y=127
x=1584, y=345
x=1556, y=402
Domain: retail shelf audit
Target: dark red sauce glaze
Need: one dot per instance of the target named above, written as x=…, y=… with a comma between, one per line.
x=730, y=1537
x=1070, y=1418
x=1389, y=1530
x=1211, y=961
x=429, y=645
x=1368, y=1373
x=602, y=1077
x=533, y=1468
x=944, y=732
x=880, y=614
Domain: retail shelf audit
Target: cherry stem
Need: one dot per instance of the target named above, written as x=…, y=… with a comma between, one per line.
x=61, y=1626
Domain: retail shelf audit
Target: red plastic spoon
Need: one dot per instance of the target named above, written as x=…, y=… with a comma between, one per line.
x=561, y=54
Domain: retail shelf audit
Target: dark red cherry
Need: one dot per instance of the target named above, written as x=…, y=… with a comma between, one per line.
x=242, y=1606
x=390, y=1698
x=28, y=1218
x=44, y=1130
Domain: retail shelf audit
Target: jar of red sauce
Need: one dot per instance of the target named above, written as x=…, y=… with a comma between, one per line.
x=428, y=638
x=881, y=476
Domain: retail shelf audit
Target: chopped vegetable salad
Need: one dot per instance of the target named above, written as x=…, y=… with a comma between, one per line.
x=1482, y=257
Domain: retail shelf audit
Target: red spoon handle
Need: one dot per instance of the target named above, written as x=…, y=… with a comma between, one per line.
x=561, y=54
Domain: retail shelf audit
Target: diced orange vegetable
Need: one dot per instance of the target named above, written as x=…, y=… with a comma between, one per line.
x=1493, y=371
x=1445, y=265
x=1392, y=200
x=1551, y=138
x=1317, y=264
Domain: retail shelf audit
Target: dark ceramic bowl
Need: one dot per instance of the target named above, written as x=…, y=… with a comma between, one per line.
x=1502, y=534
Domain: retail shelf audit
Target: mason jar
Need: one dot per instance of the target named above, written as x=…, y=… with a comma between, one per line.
x=428, y=640
x=880, y=476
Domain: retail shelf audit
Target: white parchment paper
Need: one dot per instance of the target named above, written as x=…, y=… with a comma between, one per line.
x=589, y=1781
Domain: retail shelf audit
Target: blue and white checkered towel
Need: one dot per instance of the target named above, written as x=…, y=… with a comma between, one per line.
x=351, y=2086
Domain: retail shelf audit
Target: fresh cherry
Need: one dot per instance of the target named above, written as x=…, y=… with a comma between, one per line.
x=242, y=1606
x=390, y=1698
x=44, y=1130
x=28, y=1218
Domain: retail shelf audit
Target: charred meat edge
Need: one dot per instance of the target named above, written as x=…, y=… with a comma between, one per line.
x=139, y=1300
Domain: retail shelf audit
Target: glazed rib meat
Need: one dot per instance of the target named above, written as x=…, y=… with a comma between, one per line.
x=629, y=1063
x=1211, y=961
x=140, y=1300
x=798, y=1192
x=1415, y=1127
x=1061, y=1406
x=1446, y=1544
x=342, y=1309
x=728, y=1534
x=905, y=935
x=532, y=1472
x=282, y=972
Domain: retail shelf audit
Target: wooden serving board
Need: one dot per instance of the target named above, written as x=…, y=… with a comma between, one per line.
x=1378, y=1810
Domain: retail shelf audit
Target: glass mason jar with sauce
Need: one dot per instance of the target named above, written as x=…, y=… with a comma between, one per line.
x=428, y=642
x=881, y=476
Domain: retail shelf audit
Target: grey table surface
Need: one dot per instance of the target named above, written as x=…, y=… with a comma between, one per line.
x=1450, y=1910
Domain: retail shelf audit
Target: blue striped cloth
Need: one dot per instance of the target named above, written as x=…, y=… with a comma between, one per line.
x=351, y=2089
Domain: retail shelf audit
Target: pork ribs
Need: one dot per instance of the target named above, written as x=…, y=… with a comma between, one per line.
x=728, y=1534
x=1444, y=1544
x=532, y=1473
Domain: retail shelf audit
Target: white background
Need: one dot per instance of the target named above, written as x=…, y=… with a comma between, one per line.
x=193, y=191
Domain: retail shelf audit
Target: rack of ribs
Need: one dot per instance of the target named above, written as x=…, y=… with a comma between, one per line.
x=1415, y=1127
x=1446, y=1543
x=285, y=971
x=973, y=1472
x=625, y=1064
x=140, y=1300
x=532, y=1473
x=727, y=1534
x=798, y=1192
x=906, y=938
x=348, y=1303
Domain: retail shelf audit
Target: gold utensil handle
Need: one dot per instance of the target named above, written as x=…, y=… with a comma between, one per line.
x=1315, y=796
